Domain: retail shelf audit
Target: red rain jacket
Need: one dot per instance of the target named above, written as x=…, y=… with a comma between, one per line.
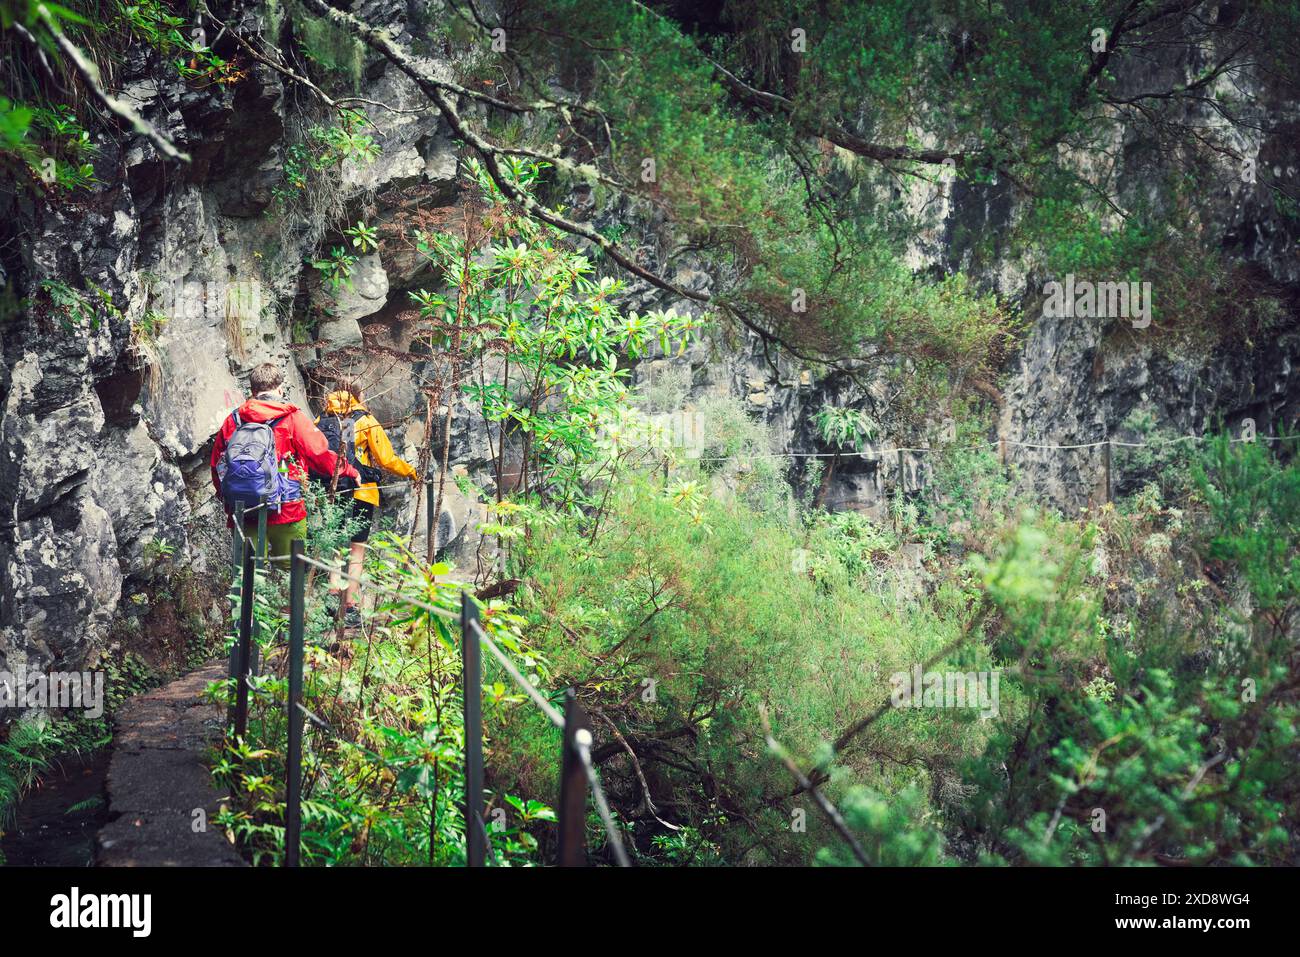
x=297, y=437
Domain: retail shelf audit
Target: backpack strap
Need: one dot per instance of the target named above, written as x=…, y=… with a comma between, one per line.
x=269, y=423
x=355, y=416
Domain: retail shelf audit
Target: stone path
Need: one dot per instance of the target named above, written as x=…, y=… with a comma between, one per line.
x=158, y=779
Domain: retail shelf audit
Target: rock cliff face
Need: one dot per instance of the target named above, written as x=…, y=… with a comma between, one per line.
x=104, y=435
x=104, y=438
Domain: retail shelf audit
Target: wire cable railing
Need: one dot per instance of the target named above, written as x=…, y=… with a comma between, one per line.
x=577, y=735
x=998, y=444
x=578, y=774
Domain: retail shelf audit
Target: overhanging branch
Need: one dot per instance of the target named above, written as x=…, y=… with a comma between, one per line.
x=441, y=92
x=89, y=74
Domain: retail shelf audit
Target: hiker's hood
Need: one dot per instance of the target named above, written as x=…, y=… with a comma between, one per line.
x=342, y=403
x=263, y=410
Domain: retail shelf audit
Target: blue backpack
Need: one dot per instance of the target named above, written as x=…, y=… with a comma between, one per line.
x=249, y=469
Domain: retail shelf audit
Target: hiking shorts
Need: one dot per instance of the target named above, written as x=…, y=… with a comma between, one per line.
x=363, y=517
x=279, y=539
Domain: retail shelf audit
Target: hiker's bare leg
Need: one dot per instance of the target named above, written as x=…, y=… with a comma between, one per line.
x=356, y=560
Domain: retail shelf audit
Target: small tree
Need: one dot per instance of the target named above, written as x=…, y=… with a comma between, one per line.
x=520, y=294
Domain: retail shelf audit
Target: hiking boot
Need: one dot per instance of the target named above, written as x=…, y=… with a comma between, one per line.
x=352, y=617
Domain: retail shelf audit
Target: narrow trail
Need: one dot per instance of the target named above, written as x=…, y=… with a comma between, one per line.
x=161, y=798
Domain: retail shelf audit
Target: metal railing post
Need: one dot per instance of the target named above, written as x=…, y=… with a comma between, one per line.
x=430, y=520
x=472, y=661
x=1105, y=464
x=245, y=640
x=293, y=760
x=236, y=567
x=254, y=649
x=573, y=787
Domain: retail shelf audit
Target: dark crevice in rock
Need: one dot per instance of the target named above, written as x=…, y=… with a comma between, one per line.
x=118, y=394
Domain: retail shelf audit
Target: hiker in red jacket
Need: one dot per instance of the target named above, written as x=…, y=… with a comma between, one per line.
x=258, y=474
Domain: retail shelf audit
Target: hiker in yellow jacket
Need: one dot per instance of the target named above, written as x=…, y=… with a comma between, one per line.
x=360, y=436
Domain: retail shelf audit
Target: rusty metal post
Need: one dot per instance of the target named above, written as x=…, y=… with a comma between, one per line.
x=293, y=760
x=573, y=787
x=245, y=643
x=472, y=662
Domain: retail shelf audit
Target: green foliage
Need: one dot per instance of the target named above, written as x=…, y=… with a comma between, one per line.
x=685, y=847
x=46, y=136
x=364, y=238
x=23, y=757
x=748, y=190
x=336, y=53
x=125, y=675
x=737, y=454
x=1073, y=230
x=336, y=269
x=719, y=609
x=967, y=482
x=1112, y=743
x=522, y=293
x=1147, y=708
x=892, y=830
x=48, y=143
x=28, y=13
x=1256, y=506
x=34, y=742
x=154, y=22
x=1158, y=456
x=157, y=550
x=68, y=143
x=145, y=330
x=849, y=545
x=309, y=164
x=15, y=120
x=819, y=153
x=844, y=426
x=72, y=308
x=1154, y=759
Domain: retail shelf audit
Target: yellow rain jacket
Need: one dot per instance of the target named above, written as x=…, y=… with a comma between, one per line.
x=373, y=446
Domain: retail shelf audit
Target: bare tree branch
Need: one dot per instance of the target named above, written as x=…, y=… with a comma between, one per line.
x=89, y=74
x=829, y=810
x=818, y=775
x=441, y=93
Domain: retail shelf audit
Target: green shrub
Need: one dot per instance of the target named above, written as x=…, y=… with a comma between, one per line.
x=678, y=630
